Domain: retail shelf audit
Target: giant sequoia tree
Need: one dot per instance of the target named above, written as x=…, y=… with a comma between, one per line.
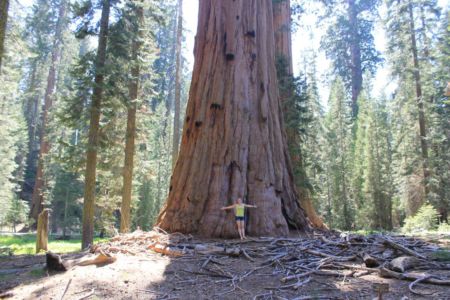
x=37, y=203
x=233, y=142
x=288, y=96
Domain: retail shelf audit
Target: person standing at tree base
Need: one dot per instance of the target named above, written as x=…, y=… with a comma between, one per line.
x=239, y=210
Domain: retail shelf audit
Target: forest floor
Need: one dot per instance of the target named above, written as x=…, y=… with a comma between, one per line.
x=258, y=268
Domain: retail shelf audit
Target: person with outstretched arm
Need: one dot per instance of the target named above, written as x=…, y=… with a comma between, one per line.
x=239, y=211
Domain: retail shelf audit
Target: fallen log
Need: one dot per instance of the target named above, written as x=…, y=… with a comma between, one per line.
x=370, y=261
x=54, y=262
x=403, y=263
x=166, y=250
x=402, y=248
x=386, y=273
x=99, y=259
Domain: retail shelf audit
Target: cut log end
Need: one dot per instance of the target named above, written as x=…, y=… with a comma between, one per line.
x=54, y=262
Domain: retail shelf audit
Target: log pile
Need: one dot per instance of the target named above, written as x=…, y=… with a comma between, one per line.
x=298, y=259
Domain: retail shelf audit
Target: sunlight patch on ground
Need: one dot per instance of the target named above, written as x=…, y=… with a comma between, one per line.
x=129, y=277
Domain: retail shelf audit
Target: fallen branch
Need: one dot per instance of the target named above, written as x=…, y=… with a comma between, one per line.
x=296, y=276
x=65, y=290
x=247, y=256
x=337, y=258
x=401, y=247
x=206, y=262
x=386, y=273
x=6, y=295
x=100, y=259
x=418, y=280
x=91, y=293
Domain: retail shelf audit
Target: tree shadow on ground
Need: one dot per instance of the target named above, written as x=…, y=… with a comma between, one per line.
x=195, y=275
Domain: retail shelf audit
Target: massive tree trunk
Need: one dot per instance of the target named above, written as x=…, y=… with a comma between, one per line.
x=355, y=55
x=176, y=117
x=233, y=142
x=37, y=200
x=282, y=30
x=131, y=127
x=419, y=99
x=283, y=52
x=4, y=5
x=91, y=153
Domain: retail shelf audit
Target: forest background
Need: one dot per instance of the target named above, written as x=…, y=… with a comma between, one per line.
x=374, y=141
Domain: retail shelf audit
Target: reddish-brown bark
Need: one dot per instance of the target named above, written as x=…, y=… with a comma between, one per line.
x=233, y=143
x=419, y=99
x=37, y=200
x=283, y=50
x=355, y=55
x=282, y=31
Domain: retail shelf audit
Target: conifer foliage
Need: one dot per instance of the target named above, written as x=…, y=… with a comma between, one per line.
x=103, y=122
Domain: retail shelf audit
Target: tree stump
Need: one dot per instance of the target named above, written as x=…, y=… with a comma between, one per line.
x=42, y=231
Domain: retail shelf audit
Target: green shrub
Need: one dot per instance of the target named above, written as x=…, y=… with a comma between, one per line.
x=425, y=219
x=444, y=228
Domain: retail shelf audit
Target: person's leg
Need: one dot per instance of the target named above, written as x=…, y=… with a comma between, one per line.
x=238, y=224
x=243, y=229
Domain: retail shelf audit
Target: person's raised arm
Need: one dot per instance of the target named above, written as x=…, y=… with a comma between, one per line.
x=228, y=207
x=249, y=205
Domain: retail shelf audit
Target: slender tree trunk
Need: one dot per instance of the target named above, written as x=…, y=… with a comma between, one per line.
x=355, y=53
x=170, y=78
x=37, y=200
x=4, y=5
x=131, y=127
x=233, y=142
x=91, y=153
x=177, y=105
x=419, y=99
x=31, y=108
x=283, y=50
x=343, y=164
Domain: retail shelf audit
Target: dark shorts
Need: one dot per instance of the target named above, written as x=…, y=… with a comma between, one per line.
x=239, y=218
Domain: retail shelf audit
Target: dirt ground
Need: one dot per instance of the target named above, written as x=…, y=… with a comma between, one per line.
x=155, y=276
